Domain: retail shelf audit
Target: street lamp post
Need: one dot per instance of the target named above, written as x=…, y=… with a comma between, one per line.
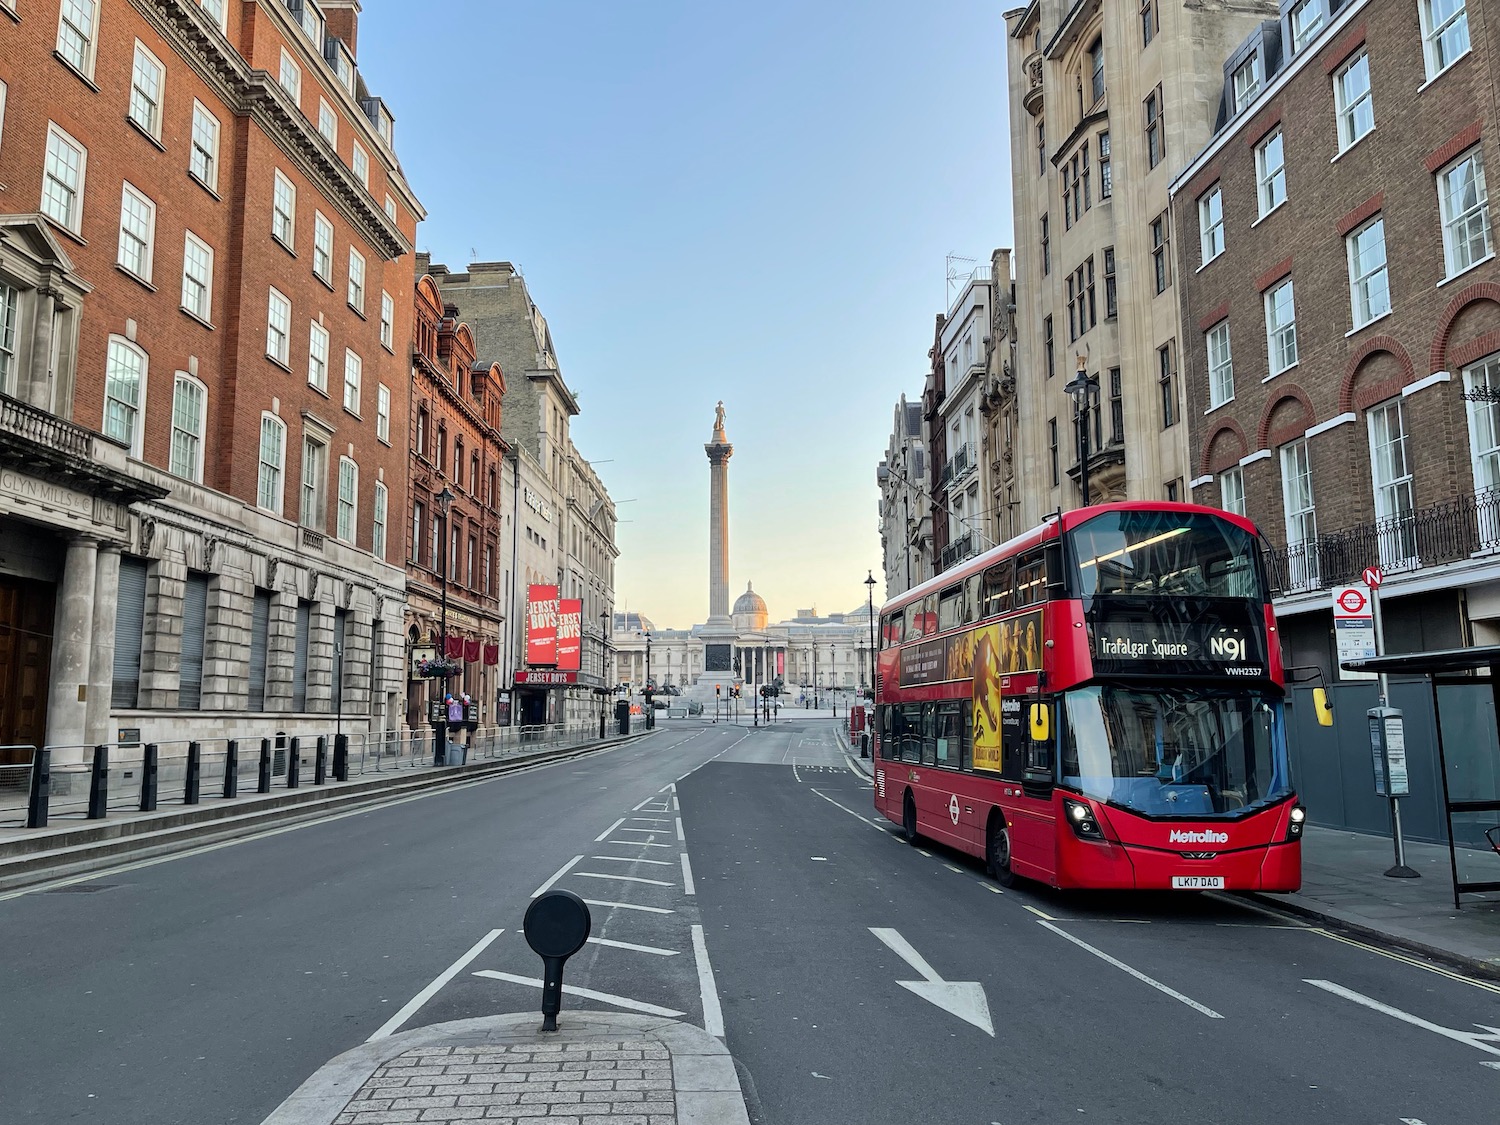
x=650, y=706
x=833, y=679
x=603, y=670
x=1082, y=387
x=870, y=603
x=440, y=728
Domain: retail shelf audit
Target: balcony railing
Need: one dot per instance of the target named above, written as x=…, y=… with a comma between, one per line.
x=26, y=421
x=1450, y=531
x=957, y=551
x=1031, y=100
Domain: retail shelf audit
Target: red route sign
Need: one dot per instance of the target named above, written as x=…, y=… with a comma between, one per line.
x=1373, y=577
x=1351, y=601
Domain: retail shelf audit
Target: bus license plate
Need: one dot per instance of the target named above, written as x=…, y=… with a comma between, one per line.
x=1197, y=882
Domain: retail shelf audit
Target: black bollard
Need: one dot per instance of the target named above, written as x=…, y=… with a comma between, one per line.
x=194, y=779
x=320, y=761
x=341, y=757
x=150, y=758
x=294, y=765
x=231, y=769
x=556, y=926
x=99, y=784
x=41, y=789
x=263, y=780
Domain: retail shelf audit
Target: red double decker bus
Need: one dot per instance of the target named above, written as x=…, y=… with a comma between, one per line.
x=1097, y=703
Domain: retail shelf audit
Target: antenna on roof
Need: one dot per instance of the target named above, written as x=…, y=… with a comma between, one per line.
x=959, y=270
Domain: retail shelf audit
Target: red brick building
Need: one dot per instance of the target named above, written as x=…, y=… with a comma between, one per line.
x=457, y=463
x=207, y=272
x=1341, y=308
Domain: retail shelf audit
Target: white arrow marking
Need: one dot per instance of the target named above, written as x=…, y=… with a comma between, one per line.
x=1490, y=1041
x=962, y=998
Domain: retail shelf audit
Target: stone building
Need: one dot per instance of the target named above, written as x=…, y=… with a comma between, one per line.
x=458, y=461
x=1341, y=310
x=1107, y=102
x=999, y=443
x=954, y=412
x=203, y=319
x=905, y=522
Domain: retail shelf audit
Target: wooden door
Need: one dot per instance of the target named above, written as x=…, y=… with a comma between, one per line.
x=25, y=659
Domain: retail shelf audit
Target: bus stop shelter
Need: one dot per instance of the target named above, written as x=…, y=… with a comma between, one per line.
x=1465, y=686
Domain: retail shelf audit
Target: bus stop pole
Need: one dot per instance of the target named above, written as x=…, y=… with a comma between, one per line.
x=1400, y=870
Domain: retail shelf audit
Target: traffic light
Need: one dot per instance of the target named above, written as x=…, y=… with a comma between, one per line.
x=718, y=689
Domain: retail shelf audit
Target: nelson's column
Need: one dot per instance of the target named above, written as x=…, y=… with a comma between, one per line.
x=718, y=632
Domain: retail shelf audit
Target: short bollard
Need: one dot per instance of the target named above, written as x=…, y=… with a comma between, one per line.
x=194, y=780
x=41, y=789
x=294, y=764
x=231, y=769
x=99, y=784
x=320, y=761
x=150, y=757
x=341, y=757
x=263, y=778
x=864, y=744
x=556, y=926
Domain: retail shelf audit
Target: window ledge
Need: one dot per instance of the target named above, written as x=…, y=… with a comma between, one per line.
x=357, y=311
x=1358, y=328
x=143, y=131
x=1283, y=371
x=281, y=363
x=80, y=75
x=205, y=185
x=1268, y=214
x=1472, y=266
x=66, y=232
x=1447, y=68
x=385, y=441
x=135, y=277
x=201, y=320
x=388, y=347
x=320, y=390
x=353, y=413
x=1221, y=406
x=9, y=11
x=327, y=282
x=1210, y=262
x=276, y=238
x=1351, y=146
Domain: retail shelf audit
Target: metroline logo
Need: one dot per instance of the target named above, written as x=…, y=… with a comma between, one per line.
x=1209, y=836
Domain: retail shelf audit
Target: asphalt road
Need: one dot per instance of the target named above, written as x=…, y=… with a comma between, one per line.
x=208, y=986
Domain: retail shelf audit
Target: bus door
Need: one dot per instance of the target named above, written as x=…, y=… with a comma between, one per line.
x=1033, y=822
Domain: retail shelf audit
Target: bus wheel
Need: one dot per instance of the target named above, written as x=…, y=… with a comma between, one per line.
x=909, y=820
x=997, y=853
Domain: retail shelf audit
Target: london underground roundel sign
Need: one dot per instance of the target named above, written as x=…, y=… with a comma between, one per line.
x=1352, y=601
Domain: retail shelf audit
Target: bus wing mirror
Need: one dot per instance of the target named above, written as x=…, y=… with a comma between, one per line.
x=1041, y=724
x=1322, y=707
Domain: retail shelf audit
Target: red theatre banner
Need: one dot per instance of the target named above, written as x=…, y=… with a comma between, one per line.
x=570, y=635
x=781, y=664
x=541, y=625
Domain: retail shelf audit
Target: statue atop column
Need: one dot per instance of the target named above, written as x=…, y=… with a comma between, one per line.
x=719, y=422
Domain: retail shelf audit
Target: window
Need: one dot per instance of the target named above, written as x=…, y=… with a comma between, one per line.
x=75, y=36
x=1047, y=343
x=1052, y=446
x=489, y=571
x=1041, y=148
x=1270, y=173
x=291, y=76
x=1046, y=246
x=421, y=439
x=1161, y=260
x=1305, y=20
x=1246, y=82
x=1111, y=306
x=360, y=162
x=1482, y=394
x=147, y=77
x=314, y=479
x=434, y=558
x=472, y=551
x=455, y=537
x=387, y=320
x=194, y=629
x=284, y=210
x=1082, y=311
x=1116, y=408
x=328, y=122
x=1106, y=168
x=377, y=525
x=137, y=233
x=383, y=413
x=348, y=494
x=474, y=474
x=189, y=407
x=317, y=357
x=1211, y=224
x=214, y=8
x=1166, y=377
x=1174, y=490
x=1281, y=327
x=260, y=635
x=1301, y=519
x=124, y=387
x=353, y=368
x=268, y=491
x=458, y=462
x=8, y=371
x=1351, y=98
x=1232, y=491
x=130, y=622
x=442, y=446
x=62, y=181
x=1149, y=26
x=1445, y=33
x=312, y=23
x=1390, y=470
x=1369, y=289
x=204, y=161
x=1096, y=70
x=418, y=522
x=197, y=277
x=390, y=207
x=302, y=625
x=322, y=247
x=1464, y=204
x=279, y=328
x=1220, y=365
x=356, y=280
x=1156, y=146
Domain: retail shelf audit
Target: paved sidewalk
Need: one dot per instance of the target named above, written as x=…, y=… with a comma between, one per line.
x=600, y=1069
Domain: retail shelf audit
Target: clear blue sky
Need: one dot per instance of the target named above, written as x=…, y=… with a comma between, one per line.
x=749, y=202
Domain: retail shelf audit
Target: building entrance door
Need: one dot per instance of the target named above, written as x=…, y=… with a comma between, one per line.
x=25, y=658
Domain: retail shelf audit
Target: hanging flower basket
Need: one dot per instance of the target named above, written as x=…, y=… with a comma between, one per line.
x=438, y=668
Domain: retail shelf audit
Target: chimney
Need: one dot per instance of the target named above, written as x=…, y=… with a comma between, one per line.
x=342, y=17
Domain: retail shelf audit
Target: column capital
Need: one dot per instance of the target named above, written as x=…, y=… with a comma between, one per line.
x=84, y=541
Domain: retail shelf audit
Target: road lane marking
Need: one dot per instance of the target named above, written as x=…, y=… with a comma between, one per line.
x=1038, y=913
x=687, y=877
x=857, y=816
x=989, y=886
x=621, y=878
x=637, y=844
x=955, y=870
x=647, y=831
x=410, y=1008
x=925, y=852
x=558, y=874
x=608, y=830
x=675, y=806
x=628, y=906
x=588, y=994
x=634, y=859
x=713, y=1015
x=652, y=819
x=680, y=836
x=1489, y=1042
x=1140, y=976
x=1405, y=960
x=654, y=949
x=644, y=803
x=962, y=998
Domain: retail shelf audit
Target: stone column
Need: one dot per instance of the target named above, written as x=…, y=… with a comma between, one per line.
x=719, y=451
x=67, y=692
x=102, y=646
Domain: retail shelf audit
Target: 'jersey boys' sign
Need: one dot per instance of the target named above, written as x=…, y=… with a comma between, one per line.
x=541, y=625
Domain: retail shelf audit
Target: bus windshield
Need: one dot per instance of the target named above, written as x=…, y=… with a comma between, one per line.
x=1168, y=553
x=1176, y=752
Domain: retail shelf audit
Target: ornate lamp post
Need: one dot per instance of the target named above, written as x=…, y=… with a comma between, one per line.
x=1083, y=387
x=870, y=603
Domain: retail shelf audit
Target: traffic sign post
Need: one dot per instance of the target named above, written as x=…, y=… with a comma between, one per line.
x=1354, y=628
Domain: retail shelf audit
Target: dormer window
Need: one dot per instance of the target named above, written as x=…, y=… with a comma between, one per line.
x=1306, y=20
x=312, y=23
x=1246, y=81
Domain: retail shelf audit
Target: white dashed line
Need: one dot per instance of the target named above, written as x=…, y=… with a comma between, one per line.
x=1140, y=976
x=687, y=877
x=587, y=994
x=628, y=906
x=608, y=830
x=634, y=859
x=713, y=1015
x=409, y=1009
x=558, y=874
x=620, y=878
x=680, y=836
x=653, y=949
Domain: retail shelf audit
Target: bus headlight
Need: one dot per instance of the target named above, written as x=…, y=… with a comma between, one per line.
x=1082, y=820
x=1295, y=822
